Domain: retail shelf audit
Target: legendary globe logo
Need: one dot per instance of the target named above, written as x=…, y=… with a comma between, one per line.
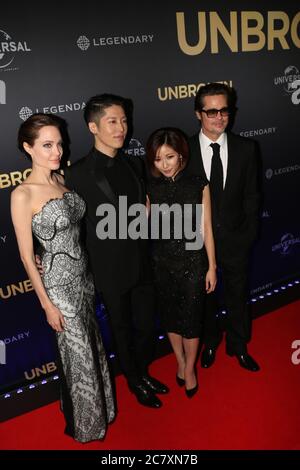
x=25, y=113
x=83, y=43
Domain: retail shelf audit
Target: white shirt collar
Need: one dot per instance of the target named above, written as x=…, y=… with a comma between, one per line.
x=205, y=141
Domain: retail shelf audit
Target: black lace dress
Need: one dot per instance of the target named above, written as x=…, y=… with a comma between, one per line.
x=179, y=273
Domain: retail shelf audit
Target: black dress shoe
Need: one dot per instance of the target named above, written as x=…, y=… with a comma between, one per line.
x=180, y=382
x=191, y=392
x=208, y=357
x=154, y=385
x=245, y=361
x=145, y=397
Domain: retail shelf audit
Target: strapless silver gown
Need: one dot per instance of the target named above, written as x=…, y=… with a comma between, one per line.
x=87, y=398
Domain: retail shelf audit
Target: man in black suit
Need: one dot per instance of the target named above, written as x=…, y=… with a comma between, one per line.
x=230, y=164
x=120, y=266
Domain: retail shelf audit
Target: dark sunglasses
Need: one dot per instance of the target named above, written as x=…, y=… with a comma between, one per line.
x=212, y=113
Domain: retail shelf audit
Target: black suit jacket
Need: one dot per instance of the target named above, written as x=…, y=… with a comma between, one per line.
x=237, y=222
x=116, y=264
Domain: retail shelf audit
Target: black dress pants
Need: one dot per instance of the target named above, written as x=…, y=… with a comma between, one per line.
x=132, y=320
x=233, y=263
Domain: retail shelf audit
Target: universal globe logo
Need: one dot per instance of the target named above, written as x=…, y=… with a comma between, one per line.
x=83, y=43
x=25, y=113
x=292, y=86
x=5, y=58
x=135, y=148
x=8, y=49
x=290, y=82
x=286, y=243
x=291, y=73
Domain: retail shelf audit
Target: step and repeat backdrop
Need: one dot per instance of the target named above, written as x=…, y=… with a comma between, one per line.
x=53, y=58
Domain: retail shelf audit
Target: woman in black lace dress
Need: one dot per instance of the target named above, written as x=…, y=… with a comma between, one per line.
x=184, y=269
x=44, y=208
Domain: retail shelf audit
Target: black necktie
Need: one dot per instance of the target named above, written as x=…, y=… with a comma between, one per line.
x=216, y=176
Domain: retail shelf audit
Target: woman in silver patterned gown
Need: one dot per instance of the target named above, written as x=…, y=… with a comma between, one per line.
x=44, y=208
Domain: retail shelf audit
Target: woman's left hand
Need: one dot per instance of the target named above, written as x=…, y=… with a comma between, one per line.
x=210, y=280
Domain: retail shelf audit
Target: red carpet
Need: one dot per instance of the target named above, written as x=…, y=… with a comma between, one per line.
x=233, y=409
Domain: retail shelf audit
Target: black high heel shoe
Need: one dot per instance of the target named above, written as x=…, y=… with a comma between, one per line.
x=191, y=392
x=180, y=382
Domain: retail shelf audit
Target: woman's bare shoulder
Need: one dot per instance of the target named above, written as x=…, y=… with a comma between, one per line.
x=22, y=193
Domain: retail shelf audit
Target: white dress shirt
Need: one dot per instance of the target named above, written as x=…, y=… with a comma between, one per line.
x=207, y=153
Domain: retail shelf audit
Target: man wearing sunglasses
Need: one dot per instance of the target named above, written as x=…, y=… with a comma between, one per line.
x=230, y=164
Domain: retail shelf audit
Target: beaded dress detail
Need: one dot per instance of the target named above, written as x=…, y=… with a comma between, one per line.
x=179, y=273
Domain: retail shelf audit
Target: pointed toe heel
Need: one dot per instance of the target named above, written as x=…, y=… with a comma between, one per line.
x=191, y=392
x=180, y=382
